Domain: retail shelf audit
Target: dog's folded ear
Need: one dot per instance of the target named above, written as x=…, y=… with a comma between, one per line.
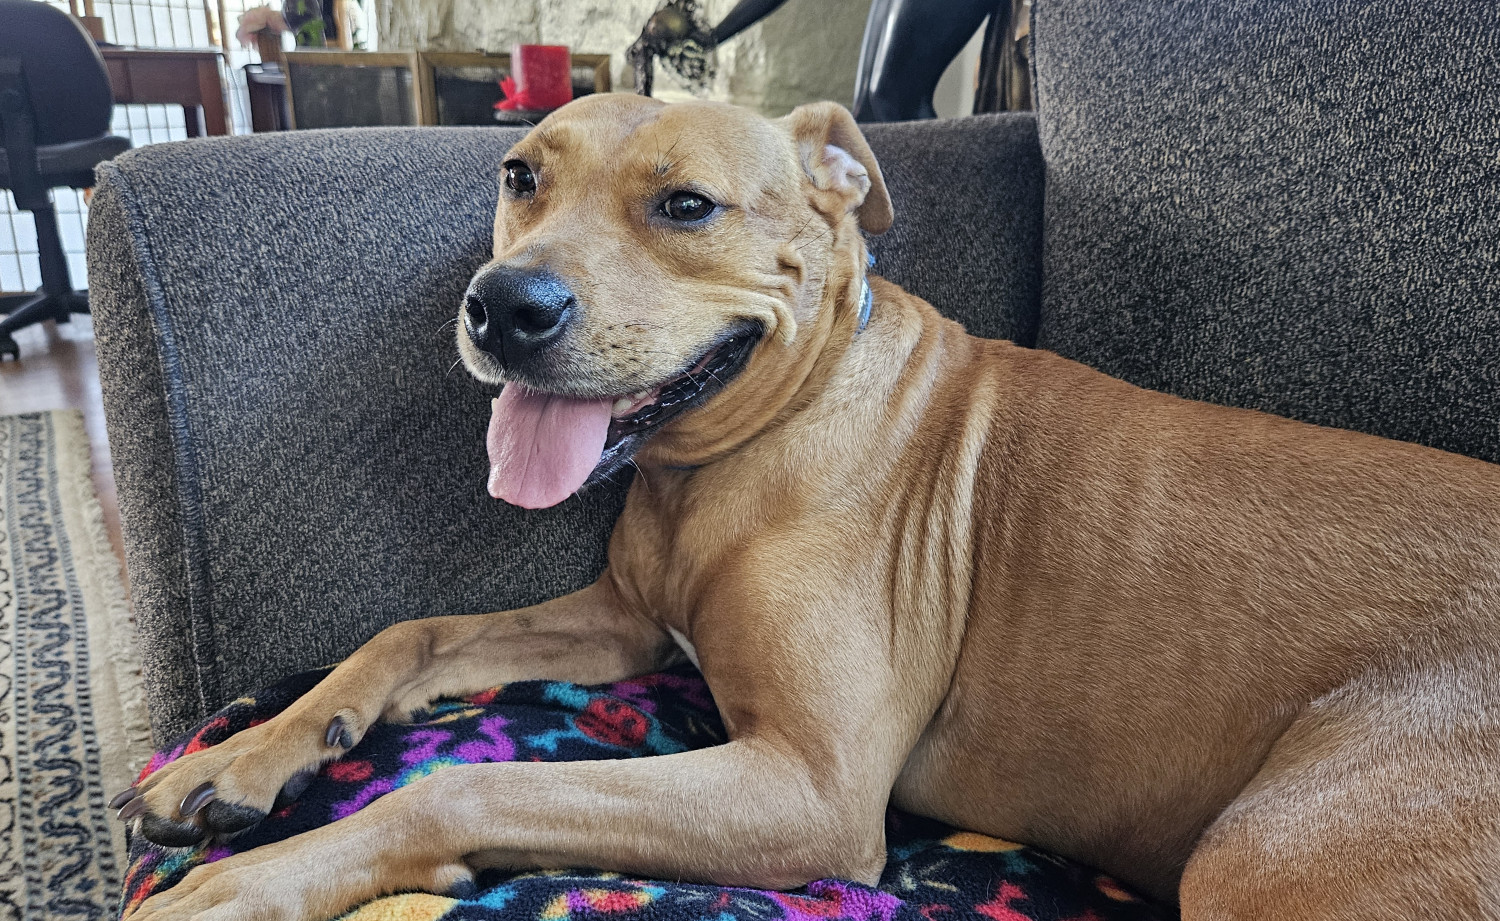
x=837, y=160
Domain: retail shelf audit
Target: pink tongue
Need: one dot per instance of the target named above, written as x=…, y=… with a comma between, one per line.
x=542, y=446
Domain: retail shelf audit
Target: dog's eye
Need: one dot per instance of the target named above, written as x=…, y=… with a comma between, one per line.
x=687, y=207
x=519, y=178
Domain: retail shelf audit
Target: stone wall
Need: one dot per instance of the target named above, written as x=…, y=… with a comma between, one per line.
x=807, y=50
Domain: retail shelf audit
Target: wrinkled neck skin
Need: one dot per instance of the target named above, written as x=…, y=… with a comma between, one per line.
x=808, y=448
x=785, y=373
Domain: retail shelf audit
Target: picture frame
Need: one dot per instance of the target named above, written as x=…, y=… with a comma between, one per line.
x=337, y=89
x=461, y=88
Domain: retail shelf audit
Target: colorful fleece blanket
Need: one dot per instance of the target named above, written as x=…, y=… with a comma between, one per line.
x=935, y=873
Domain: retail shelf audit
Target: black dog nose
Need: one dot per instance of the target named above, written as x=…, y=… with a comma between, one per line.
x=515, y=313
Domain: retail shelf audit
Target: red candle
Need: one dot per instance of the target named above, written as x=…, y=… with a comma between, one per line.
x=544, y=75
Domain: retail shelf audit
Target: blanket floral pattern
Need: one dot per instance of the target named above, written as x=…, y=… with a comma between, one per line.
x=935, y=873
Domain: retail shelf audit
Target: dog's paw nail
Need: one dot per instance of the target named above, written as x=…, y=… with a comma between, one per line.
x=293, y=788
x=463, y=889
x=228, y=818
x=168, y=833
x=120, y=799
x=195, y=800
x=132, y=809
x=338, y=734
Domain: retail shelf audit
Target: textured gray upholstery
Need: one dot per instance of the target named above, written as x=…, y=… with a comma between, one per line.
x=968, y=233
x=299, y=465
x=298, y=468
x=1290, y=206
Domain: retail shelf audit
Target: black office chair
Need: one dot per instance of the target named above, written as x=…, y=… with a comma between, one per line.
x=55, y=108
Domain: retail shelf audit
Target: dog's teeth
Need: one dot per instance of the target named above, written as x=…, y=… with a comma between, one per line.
x=622, y=404
x=639, y=396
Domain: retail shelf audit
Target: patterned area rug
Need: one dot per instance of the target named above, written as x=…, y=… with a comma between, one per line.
x=72, y=716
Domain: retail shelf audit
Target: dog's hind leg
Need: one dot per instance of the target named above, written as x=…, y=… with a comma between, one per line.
x=1380, y=803
x=586, y=637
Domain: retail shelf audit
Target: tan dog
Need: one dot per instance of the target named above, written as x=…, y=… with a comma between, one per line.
x=1213, y=652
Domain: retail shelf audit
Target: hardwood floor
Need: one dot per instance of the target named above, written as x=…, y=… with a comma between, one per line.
x=58, y=370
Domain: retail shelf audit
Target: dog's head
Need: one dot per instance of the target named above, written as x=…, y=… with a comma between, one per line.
x=663, y=277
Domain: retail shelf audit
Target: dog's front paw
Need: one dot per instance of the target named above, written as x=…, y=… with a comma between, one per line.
x=225, y=789
x=311, y=877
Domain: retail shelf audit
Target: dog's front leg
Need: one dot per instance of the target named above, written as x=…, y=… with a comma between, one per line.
x=749, y=813
x=585, y=637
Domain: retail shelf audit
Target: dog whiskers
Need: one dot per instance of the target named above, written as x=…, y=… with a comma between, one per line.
x=664, y=162
x=637, y=324
x=631, y=350
x=640, y=473
x=800, y=231
x=815, y=240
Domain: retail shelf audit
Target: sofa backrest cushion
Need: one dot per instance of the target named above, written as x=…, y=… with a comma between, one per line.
x=1290, y=206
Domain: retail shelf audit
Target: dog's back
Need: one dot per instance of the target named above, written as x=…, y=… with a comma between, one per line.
x=1161, y=588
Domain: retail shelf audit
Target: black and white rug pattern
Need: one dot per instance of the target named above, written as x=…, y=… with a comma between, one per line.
x=72, y=720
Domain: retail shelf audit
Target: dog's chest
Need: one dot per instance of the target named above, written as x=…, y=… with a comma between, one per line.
x=686, y=644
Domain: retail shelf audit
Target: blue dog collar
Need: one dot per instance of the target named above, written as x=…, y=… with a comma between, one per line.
x=866, y=304
x=866, y=298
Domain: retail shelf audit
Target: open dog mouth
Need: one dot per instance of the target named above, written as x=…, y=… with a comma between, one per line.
x=641, y=412
x=544, y=447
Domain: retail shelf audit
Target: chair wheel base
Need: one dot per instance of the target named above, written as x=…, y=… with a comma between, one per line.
x=8, y=347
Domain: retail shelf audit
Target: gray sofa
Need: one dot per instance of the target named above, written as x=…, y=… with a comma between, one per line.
x=1286, y=206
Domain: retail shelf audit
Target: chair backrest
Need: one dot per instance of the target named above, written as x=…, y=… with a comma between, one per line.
x=65, y=76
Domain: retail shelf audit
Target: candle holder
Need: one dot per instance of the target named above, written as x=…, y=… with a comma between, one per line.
x=541, y=79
